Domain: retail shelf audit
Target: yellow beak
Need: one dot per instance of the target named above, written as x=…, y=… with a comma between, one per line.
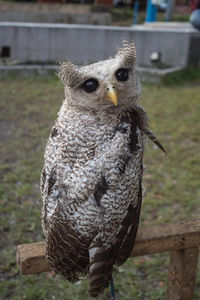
x=111, y=95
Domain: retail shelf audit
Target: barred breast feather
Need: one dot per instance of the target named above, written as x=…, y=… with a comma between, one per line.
x=91, y=189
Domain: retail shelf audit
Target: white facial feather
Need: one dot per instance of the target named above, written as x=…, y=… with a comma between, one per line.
x=128, y=92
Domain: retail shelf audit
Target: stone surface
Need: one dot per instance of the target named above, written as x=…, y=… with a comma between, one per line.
x=28, y=70
x=56, y=17
x=147, y=74
x=52, y=13
x=48, y=43
x=28, y=6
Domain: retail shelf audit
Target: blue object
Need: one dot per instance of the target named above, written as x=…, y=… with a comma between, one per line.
x=135, y=13
x=112, y=290
x=151, y=12
x=195, y=18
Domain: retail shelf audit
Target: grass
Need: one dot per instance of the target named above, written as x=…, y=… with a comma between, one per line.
x=28, y=109
x=183, y=76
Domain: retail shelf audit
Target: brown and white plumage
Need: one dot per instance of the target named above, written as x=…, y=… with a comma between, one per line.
x=92, y=175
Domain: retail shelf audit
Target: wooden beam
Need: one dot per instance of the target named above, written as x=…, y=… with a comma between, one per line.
x=31, y=258
x=182, y=274
x=151, y=239
x=167, y=237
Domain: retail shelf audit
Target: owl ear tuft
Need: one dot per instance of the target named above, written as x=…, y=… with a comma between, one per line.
x=69, y=74
x=127, y=53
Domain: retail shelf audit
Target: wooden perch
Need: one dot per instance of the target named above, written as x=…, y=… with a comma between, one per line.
x=152, y=239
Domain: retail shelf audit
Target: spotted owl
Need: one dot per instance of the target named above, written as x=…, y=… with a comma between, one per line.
x=91, y=182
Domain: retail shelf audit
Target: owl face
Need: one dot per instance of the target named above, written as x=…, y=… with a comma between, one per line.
x=109, y=84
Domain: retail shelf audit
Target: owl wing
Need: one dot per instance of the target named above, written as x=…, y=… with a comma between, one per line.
x=103, y=258
x=128, y=229
x=67, y=247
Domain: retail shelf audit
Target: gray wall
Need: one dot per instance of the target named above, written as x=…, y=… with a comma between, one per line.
x=56, y=17
x=48, y=43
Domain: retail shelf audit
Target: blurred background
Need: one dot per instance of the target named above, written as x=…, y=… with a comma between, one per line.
x=34, y=37
x=118, y=12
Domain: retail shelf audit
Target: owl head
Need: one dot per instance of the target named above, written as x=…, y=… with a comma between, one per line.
x=111, y=84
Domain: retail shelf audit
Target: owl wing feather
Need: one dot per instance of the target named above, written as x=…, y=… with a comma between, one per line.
x=73, y=253
x=103, y=258
x=67, y=251
x=128, y=230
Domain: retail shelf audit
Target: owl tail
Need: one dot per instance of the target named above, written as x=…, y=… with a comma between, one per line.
x=101, y=267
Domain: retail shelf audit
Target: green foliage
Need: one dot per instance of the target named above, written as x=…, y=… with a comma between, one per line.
x=120, y=14
x=182, y=77
x=28, y=109
x=181, y=18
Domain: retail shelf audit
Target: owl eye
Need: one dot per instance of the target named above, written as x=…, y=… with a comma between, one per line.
x=121, y=74
x=90, y=85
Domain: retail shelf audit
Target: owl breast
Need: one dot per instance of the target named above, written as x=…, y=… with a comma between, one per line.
x=82, y=135
x=74, y=139
x=91, y=186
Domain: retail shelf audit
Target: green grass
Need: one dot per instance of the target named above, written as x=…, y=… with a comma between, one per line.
x=183, y=76
x=28, y=109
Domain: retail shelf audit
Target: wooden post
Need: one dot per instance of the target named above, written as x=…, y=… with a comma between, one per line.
x=182, y=274
x=181, y=239
x=32, y=259
x=151, y=239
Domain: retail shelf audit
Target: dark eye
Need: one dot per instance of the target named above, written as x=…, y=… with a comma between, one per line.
x=121, y=74
x=90, y=85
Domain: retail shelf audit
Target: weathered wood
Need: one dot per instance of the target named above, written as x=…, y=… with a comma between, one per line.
x=31, y=258
x=152, y=239
x=182, y=274
x=167, y=237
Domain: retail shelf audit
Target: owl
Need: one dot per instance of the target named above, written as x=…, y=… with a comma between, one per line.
x=91, y=182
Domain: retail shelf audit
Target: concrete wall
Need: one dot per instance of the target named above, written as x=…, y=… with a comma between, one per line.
x=70, y=8
x=48, y=43
x=56, y=17
x=52, y=13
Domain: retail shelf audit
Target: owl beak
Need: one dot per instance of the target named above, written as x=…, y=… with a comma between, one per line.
x=111, y=95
